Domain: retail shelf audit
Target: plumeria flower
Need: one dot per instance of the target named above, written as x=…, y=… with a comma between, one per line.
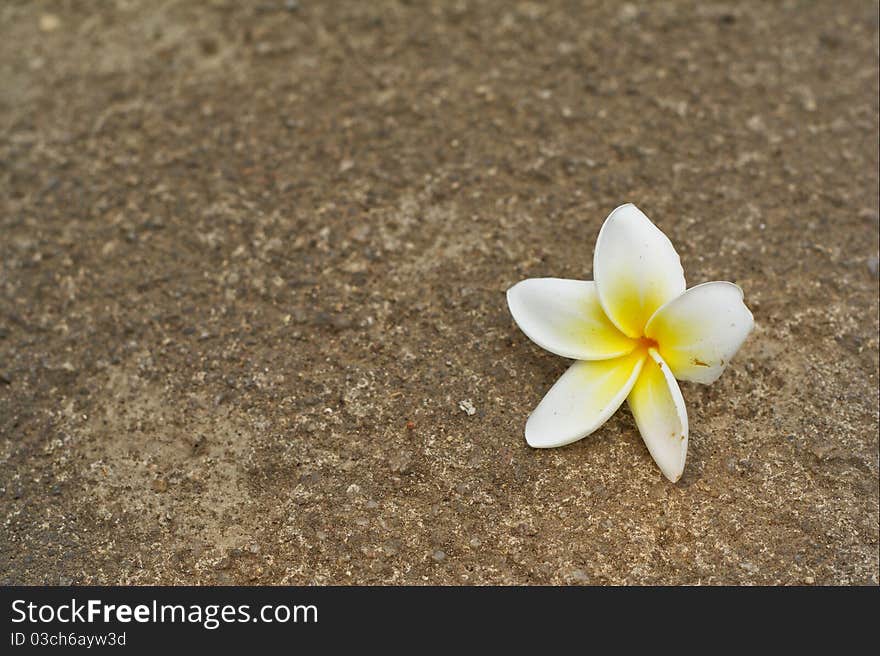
x=633, y=332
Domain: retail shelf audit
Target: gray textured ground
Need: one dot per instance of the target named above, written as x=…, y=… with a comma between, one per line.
x=253, y=257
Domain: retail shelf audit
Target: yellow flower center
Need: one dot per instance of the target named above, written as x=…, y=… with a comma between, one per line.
x=647, y=342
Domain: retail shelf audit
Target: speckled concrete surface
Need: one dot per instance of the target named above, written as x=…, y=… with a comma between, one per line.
x=254, y=257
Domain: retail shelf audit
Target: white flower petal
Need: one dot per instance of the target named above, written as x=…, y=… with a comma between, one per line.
x=583, y=399
x=636, y=269
x=565, y=318
x=658, y=408
x=700, y=331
